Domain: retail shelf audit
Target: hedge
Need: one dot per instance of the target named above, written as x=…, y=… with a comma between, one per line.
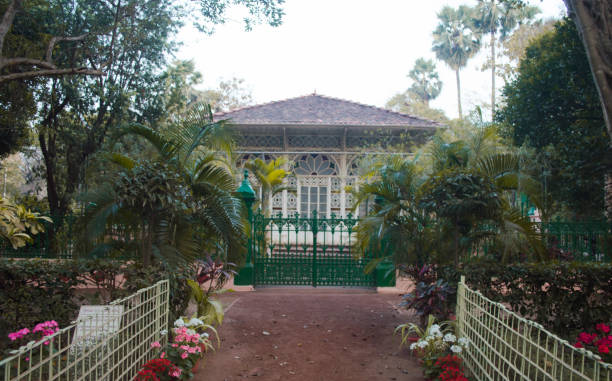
x=33, y=291
x=564, y=297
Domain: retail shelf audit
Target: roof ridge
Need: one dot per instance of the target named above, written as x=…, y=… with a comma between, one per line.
x=262, y=104
x=374, y=107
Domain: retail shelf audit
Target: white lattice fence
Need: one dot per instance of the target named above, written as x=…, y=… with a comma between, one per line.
x=505, y=346
x=110, y=345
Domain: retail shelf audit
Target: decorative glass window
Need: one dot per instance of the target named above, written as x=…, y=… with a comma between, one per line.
x=311, y=199
x=314, y=165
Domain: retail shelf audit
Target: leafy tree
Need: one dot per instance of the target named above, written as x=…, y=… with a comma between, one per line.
x=552, y=105
x=592, y=19
x=177, y=205
x=426, y=83
x=409, y=103
x=17, y=108
x=39, y=29
x=494, y=16
x=229, y=94
x=456, y=40
x=516, y=44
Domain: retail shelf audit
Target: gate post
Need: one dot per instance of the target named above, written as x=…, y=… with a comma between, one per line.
x=245, y=192
x=314, y=227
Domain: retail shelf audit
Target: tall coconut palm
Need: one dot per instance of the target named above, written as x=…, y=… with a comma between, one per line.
x=493, y=17
x=456, y=40
x=166, y=203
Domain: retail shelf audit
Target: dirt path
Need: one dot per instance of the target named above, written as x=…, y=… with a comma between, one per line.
x=310, y=335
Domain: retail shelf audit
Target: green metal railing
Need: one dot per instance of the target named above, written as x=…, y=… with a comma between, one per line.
x=308, y=251
x=505, y=346
x=570, y=241
x=579, y=241
x=112, y=345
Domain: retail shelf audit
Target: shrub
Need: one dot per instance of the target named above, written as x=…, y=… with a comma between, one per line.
x=33, y=291
x=563, y=297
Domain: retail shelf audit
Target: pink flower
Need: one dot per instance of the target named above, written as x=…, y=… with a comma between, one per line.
x=603, y=349
x=174, y=345
x=175, y=372
x=185, y=347
x=155, y=344
x=195, y=340
x=184, y=355
x=601, y=327
x=163, y=354
x=192, y=350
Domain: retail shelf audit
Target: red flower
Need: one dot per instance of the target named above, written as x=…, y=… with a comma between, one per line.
x=586, y=337
x=603, y=349
x=146, y=375
x=578, y=344
x=601, y=327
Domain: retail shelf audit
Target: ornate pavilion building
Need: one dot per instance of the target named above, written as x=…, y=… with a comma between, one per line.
x=322, y=139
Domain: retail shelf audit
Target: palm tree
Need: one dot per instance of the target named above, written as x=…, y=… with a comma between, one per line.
x=270, y=177
x=456, y=40
x=176, y=203
x=493, y=16
x=427, y=84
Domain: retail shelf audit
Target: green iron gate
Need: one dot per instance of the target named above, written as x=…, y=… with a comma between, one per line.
x=307, y=251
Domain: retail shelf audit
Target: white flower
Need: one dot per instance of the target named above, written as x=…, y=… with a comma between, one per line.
x=191, y=332
x=204, y=335
x=179, y=322
x=450, y=338
x=429, y=338
x=194, y=322
x=413, y=346
x=434, y=329
x=455, y=349
x=163, y=332
x=463, y=341
x=422, y=344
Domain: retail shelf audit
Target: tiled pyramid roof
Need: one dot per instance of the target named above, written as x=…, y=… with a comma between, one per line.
x=315, y=109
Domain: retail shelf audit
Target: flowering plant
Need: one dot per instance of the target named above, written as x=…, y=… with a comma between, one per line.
x=434, y=342
x=39, y=331
x=158, y=370
x=450, y=369
x=599, y=342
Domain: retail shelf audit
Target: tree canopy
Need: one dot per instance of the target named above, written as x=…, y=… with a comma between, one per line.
x=553, y=106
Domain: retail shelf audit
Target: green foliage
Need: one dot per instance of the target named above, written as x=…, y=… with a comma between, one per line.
x=409, y=103
x=553, y=106
x=177, y=205
x=433, y=299
x=270, y=177
x=564, y=297
x=33, y=291
x=426, y=83
x=18, y=224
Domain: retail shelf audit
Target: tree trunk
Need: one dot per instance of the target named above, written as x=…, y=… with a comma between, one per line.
x=593, y=20
x=608, y=197
x=492, y=73
x=459, y=94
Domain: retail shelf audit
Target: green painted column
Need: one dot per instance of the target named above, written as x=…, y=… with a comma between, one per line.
x=246, y=275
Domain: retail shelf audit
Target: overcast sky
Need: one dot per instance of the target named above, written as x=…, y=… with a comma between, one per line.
x=359, y=50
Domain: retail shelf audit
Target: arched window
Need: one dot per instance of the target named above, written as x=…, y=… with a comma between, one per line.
x=314, y=191
x=315, y=165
